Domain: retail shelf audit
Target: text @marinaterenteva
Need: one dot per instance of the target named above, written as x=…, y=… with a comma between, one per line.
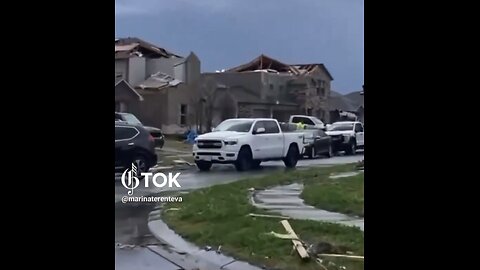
x=152, y=199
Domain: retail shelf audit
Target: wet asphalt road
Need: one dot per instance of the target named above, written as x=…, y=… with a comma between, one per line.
x=221, y=174
x=134, y=244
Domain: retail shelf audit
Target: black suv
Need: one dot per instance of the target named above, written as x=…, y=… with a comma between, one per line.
x=134, y=144
x=132, y=119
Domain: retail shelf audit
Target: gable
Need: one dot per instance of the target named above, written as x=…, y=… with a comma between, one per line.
x=124, y=91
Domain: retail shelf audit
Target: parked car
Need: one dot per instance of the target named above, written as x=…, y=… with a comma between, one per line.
x=309, y=121
x=132, y=119
x=246, y=143
x=317, y=142
x=346, y=136
x=134, y=144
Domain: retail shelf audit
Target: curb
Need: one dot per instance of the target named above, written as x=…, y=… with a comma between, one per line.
x=189, y=258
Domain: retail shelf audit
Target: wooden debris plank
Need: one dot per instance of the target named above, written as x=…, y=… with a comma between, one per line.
x=341, y=256
x=296, y=243
x=267, y=216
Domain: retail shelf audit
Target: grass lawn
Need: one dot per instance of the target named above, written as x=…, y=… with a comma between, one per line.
x=344, y=195
x=218, y=216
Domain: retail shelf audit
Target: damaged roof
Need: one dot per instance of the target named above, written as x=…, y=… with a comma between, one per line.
x=158, y=81
x=131, y=46
x=308, y=68
x=265, y=63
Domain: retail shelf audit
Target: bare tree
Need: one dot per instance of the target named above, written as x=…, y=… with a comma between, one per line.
x=203, y=100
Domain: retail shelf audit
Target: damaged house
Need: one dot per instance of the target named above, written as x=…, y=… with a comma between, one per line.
x=155, y=84
x=349, y=107
x=266, y=87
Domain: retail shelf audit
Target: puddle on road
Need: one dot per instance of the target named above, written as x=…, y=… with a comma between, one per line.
x=131, y=224
x=286, y=201
x=203, y=259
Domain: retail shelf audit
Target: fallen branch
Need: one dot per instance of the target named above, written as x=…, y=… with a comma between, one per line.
x=341, y=256
x=267, y=216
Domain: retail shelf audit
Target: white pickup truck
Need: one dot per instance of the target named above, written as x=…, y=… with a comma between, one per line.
x=346, y=136
x=309, y=121
x=246, y=142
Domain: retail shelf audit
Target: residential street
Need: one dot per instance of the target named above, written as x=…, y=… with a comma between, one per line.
x=136, y=248
x=221, y=174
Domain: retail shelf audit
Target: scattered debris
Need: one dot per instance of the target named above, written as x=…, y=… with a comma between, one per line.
x=159, y=168
x=322, y=247
x=172, y=209
x=296, y=243
x=320, y=262
x=182, y=161
x=342, y=256
x=343, y=175
x=268, y=216
x=283, y=236
x=221, y=267
x=360, y=165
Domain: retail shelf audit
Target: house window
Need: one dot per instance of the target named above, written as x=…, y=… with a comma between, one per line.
x=183, y=114
x=271, y=86
x=321, y=88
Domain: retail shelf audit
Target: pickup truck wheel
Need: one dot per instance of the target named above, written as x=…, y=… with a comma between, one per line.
x=352, y=148
x=292, y=157
x=244, y=160
x=203, y=165
x=256, y=164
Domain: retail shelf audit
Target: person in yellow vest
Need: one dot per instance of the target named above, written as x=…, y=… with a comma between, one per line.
x=300, y=125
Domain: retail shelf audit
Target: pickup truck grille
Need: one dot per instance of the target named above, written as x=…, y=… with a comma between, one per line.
x=209, y=144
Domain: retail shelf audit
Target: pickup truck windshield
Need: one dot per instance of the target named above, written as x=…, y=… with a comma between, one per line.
x=341, y=127
x=235, y=125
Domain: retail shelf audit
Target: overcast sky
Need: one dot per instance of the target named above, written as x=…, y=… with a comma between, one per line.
x=227, y=33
